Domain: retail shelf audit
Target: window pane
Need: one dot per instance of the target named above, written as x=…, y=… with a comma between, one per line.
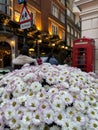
x=63, y=2
x=62, y=18
x=54, y=29
x=55, y=11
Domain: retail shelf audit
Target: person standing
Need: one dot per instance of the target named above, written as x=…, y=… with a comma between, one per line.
x=23, y=58
x=39, y=60
x=52, y=60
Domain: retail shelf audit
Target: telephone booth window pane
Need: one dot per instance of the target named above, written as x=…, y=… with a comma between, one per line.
x=81, y=59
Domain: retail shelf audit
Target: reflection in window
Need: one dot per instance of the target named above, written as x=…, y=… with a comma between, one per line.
x=63, y=35
x=62, y=17
x=6, y=6
x=63, y=2
x=55, y=11
x=68, y=28
x=33, y=15
x=54, y=29
x=68, y=12
x=72, y=31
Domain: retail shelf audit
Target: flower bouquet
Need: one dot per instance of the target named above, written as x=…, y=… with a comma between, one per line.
x=49, y=97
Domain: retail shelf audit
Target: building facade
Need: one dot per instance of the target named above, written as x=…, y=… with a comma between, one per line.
x=89, y=19
x=48, y=16
x=73, y=23
x=48, y=31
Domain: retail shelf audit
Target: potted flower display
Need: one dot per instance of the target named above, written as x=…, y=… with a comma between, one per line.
x=49, y=97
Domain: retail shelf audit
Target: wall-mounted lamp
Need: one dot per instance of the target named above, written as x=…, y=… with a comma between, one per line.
x=13, y=44
x=66, y=47
x=38, y=47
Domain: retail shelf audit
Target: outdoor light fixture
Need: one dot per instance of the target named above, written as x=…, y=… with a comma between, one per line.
x=6, y=21
x=66, y=47
x=38, y=47
x=12, y=44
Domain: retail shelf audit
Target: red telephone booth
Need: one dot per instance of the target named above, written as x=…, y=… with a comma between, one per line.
x=83, y=54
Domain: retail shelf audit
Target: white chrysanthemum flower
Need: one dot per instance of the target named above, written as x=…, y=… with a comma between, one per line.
x=41, y=95
x=16, y=79
x=30, y=77
x=95, y=105
x=22, y=99
x=61, y=78
x=55, y=127
x=62, y=92
x=55, y=97
x=79, y=119
x=27, y=118
x=13, y=122
x=4, y=104
x=92, y=113
x=7, y=79
x=44, y=68
x=16, y=92
x=52, y=91
x=48, y=74
x=75, y=95
x=10, y=87
x=23, y=90
x=84, y=97
x=44, y=105
x=37, y=118
x=30, y=94
x=5, y=96
x=93, y=125
x=65, y=71
x=92, y=99
x=19, y=112
x=9, y=113
x=70, y=111
x=51, y=80
x=85, y=91
x=59, y=86
x=72, y=80
x=20, y=126
x=67, y=124
x=65, y=85
x=82, y=78
x=14, y=103
x=22, y=73
x=58, y=105
x=74, y=88
x=67, y=98
x=40, y=74
x=53, y=69
x=32, y=104
x=59, y=118
x=93, y=91
x=74, y=126
x=86, y=106
x=36, y=86
x=31, y=127
x=48, y=116
x=19, y=83
x=79, y=105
